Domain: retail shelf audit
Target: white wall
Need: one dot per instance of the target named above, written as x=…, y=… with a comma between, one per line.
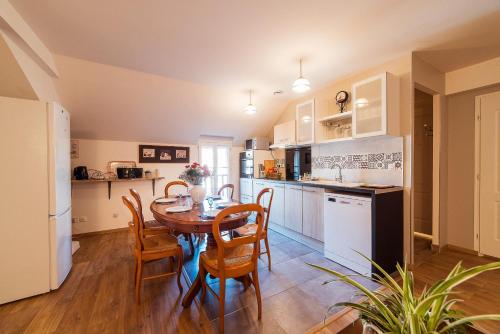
x=91, y=200
x=391, y=175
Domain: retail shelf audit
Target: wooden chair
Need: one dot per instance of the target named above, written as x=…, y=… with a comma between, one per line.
x=232, y=258
x=230, y=190
x=175, y=183
x=187, y=236
x=151, y=227
x=250, y=229
x=154, y=247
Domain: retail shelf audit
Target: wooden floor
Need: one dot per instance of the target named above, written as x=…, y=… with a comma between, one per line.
x=481, y=295
x=98, y=295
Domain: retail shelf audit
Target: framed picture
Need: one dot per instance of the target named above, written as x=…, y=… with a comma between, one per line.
x=75, y=149
x=163, y=154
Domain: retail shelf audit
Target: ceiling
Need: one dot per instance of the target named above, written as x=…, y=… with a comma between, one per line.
x=226, y=47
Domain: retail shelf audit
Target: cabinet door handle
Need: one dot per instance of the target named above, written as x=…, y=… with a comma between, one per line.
x=344, y=202
x=309, y=191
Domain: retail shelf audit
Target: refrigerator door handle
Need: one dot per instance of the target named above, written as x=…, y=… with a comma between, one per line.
x=61, y=214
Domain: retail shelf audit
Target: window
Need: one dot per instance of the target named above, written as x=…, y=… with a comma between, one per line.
x=217, y=157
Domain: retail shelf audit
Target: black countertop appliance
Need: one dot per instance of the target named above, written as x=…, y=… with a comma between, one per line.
x=298, y=162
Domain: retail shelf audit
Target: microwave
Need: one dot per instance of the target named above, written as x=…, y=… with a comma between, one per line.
x=257, y=143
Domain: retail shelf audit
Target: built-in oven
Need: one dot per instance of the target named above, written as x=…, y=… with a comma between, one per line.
x=246, y=164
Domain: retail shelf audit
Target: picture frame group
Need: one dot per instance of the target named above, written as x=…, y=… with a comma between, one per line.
x=163, y=154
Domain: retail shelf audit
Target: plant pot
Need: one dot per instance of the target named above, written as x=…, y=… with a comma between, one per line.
x=198, y=193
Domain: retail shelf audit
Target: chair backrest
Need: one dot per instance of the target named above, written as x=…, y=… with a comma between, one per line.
x=223, y=245
x=266, y=204
x=136, y=224
x=175, y=183
x=230, y=189
x=137, y=197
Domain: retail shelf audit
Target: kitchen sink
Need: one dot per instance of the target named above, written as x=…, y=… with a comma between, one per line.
x=334, y=183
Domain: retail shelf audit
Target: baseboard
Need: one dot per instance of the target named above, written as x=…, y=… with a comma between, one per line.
x=461, y=249
x=89, y=234
x=309, y=242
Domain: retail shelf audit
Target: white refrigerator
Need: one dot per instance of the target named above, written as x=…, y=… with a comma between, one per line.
x=35, y=197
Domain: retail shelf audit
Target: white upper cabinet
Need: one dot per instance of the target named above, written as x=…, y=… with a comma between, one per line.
x=375, y=106
x=305, y=122
x=284, y=134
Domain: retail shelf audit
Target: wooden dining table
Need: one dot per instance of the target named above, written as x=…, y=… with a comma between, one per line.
x=195, y=221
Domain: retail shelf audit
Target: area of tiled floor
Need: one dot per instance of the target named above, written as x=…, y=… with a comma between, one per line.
x=294, y=296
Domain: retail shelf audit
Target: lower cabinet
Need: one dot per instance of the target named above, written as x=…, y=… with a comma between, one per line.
x=277, y=215
x=258, y=185
x=312, y=212
x=246, y=199
x=245, y=188
x=293, y=207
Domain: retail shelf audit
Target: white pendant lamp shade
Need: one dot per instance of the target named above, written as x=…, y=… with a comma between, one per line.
x=250, y=108
x=301, y=85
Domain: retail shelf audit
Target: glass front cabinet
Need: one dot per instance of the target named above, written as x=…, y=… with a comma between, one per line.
x=375, y=106
x=305, y=122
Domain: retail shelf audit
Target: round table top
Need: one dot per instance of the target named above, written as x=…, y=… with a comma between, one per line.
x=193, y=221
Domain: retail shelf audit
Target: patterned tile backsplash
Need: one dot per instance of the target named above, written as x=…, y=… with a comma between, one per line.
x=378, y=160
x=382, y=160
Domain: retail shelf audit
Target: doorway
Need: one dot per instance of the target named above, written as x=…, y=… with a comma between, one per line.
x=423, y=171
x=487, y=187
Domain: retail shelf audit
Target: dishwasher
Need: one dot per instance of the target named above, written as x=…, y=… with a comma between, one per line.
x=348, y=228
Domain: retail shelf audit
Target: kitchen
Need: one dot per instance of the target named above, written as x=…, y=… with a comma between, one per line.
x=330, y=190
x=289, y=159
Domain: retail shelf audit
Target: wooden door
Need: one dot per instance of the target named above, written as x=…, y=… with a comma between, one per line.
x=312, y=212
x=293, y=207
x=489, y=194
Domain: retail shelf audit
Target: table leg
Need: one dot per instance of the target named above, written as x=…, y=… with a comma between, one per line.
x=193, y=291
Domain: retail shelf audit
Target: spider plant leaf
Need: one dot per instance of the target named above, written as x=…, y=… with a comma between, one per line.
x=388, y=277
x=382, y=307
x=470, y=319
x=368, y=313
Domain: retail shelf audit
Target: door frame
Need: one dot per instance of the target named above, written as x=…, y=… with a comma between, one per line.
x=438, y=107
x=477, y=169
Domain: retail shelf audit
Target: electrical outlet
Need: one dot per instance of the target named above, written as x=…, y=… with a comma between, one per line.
x=83, y=219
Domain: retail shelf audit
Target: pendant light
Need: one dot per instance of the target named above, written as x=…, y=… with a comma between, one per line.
x=301, y=85
x=250, y=108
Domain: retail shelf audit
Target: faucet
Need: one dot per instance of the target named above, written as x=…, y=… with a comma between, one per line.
x=339, y=178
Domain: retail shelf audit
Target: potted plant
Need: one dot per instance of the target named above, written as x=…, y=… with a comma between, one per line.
x=195, y=174
x=397, y=308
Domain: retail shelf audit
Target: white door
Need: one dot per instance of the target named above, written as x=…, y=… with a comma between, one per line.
x=489, y=195
x=59, y=159
x=60, y=248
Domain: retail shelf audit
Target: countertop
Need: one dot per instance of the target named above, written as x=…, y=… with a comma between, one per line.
x=337, y=187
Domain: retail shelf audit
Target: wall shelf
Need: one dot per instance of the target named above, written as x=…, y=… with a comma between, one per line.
x=334, y=140
x=109, y=181
x=336, y=117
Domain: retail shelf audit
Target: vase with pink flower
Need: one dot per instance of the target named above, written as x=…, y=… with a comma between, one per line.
x=195, y=174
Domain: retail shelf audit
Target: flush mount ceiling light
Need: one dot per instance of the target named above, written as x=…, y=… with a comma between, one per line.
x=301, y=85
x=250, y=108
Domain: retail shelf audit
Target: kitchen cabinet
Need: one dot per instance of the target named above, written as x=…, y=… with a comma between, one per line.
x=312, y=212
x=284, y=134
x=246, y=187
x=375, y=106
x=293, y=207
x=258, y=185
x=305, y=122
x=277, y=215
